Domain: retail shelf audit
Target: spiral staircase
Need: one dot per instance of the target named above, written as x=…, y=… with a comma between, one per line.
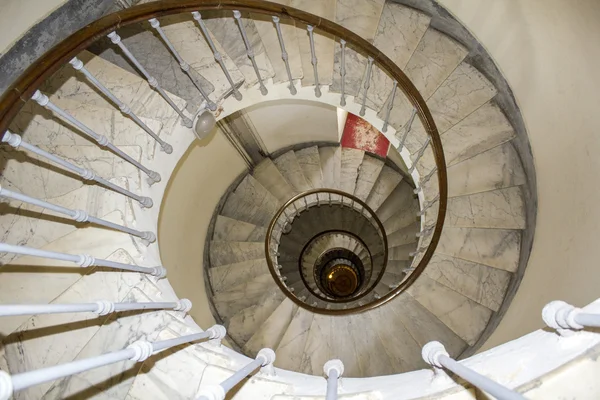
x=319, y=253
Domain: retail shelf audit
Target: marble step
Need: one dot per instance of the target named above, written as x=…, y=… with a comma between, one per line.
x=269, y=176
x=399, y=32
x=244, y=295
x=498, y=248
x=187, y=38
x=288, y=351
x=363, y=19
x=402, y=197
x=462, y=315
x=390, y=279
x=317, y=350
x=226, y=252
x=229, y=229
x=397, y=266
x=482, y=130
x=291, y=170
x=270, y=333
x=226, y=276
x=331, y=164
x=251, y=202
x=434, y=59
x=351, y=160
x=403, y=236
x=481, y=283
x=368, y=174
x=405, y=216
x=371, y=352
x=310, y=163
x=246, y=322
x=501, y=209
x=226, y=31
x=324, y=43
x=387, y=181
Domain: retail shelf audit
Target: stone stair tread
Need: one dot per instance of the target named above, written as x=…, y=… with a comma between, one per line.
x=229, y=302
x=270, y=333
x=269, y=176
x=403, y=236
x=368, y=173
x=351, y=160
x=290, y=168
x=465, y=317
x=331, y=164
x=402, y=252
x=231, y=275
x=373, y=358
x=229, y=229
x=401, y=195
x=229, y=252
x=406, y=215
x=310, y=163
x=294, y=338
x=317, y=350
x=251, y=202
x=480, y=283
x=387, y=181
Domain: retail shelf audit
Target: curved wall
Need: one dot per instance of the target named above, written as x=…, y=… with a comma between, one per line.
x=546, y=50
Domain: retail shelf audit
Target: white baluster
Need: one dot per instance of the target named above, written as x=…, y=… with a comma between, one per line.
x=185, y=67
x=343, y=73
x=102, y=140
x=389, y=107
x=567, y=318
x=407, y=128
x=83, y=260
x=428, y=205
x=313, y=59
x=101, y=307
x=116, y=39
x=77, y=64
x=436, y=355
x=333, y=370
x=16, y=141
x=77, y=215
x=284, y=54
x=218, y=57
x=138, y=351
x=366, y=85
x=419, y=155
x=249, y=51
x=264, y=359
x=425, y=180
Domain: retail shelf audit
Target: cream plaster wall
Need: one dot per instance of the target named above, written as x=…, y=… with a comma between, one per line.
x=549, y=53
x=18, y=16
x=202, y=176
x=289, y=122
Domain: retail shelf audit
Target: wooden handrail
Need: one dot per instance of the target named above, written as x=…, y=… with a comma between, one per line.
x=23, y=88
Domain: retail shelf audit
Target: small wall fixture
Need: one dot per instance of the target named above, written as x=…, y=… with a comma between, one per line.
x=204, y=123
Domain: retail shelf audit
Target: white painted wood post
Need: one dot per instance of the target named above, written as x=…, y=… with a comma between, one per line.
x=77, y=64
x=101, y=307
x=102, y=140
x=76, y=215
x=333, y=370
x=17, y=141
x=565, y=317
x=284, y=54
x=116, y=39
x=366, y=86
x=250, y=51
x=313, y=59
x=138, y=351
x=83, y=260
x=264, y=359
x=436, y=355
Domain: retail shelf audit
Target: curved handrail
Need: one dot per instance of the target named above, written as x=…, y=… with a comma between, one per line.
x=24, y=87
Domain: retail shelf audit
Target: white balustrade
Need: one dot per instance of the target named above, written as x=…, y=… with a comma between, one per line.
x=77, y=64
x=428, y=205
x=249, y=51
x=185, y=67
x=343, y=73
x=313, y=59
x=419, y=155
x=101, y=307
x=138, y=351
x=218, y=57
x=264, y=359
x=116, y=39
x=366, y=86
x=390, y=105
x=17, y=141
x=436, y=355
x=407, y=127
x=76, y=215
x=284, y=54
x=83, y=260
x=102, y=140
x=567, y=318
